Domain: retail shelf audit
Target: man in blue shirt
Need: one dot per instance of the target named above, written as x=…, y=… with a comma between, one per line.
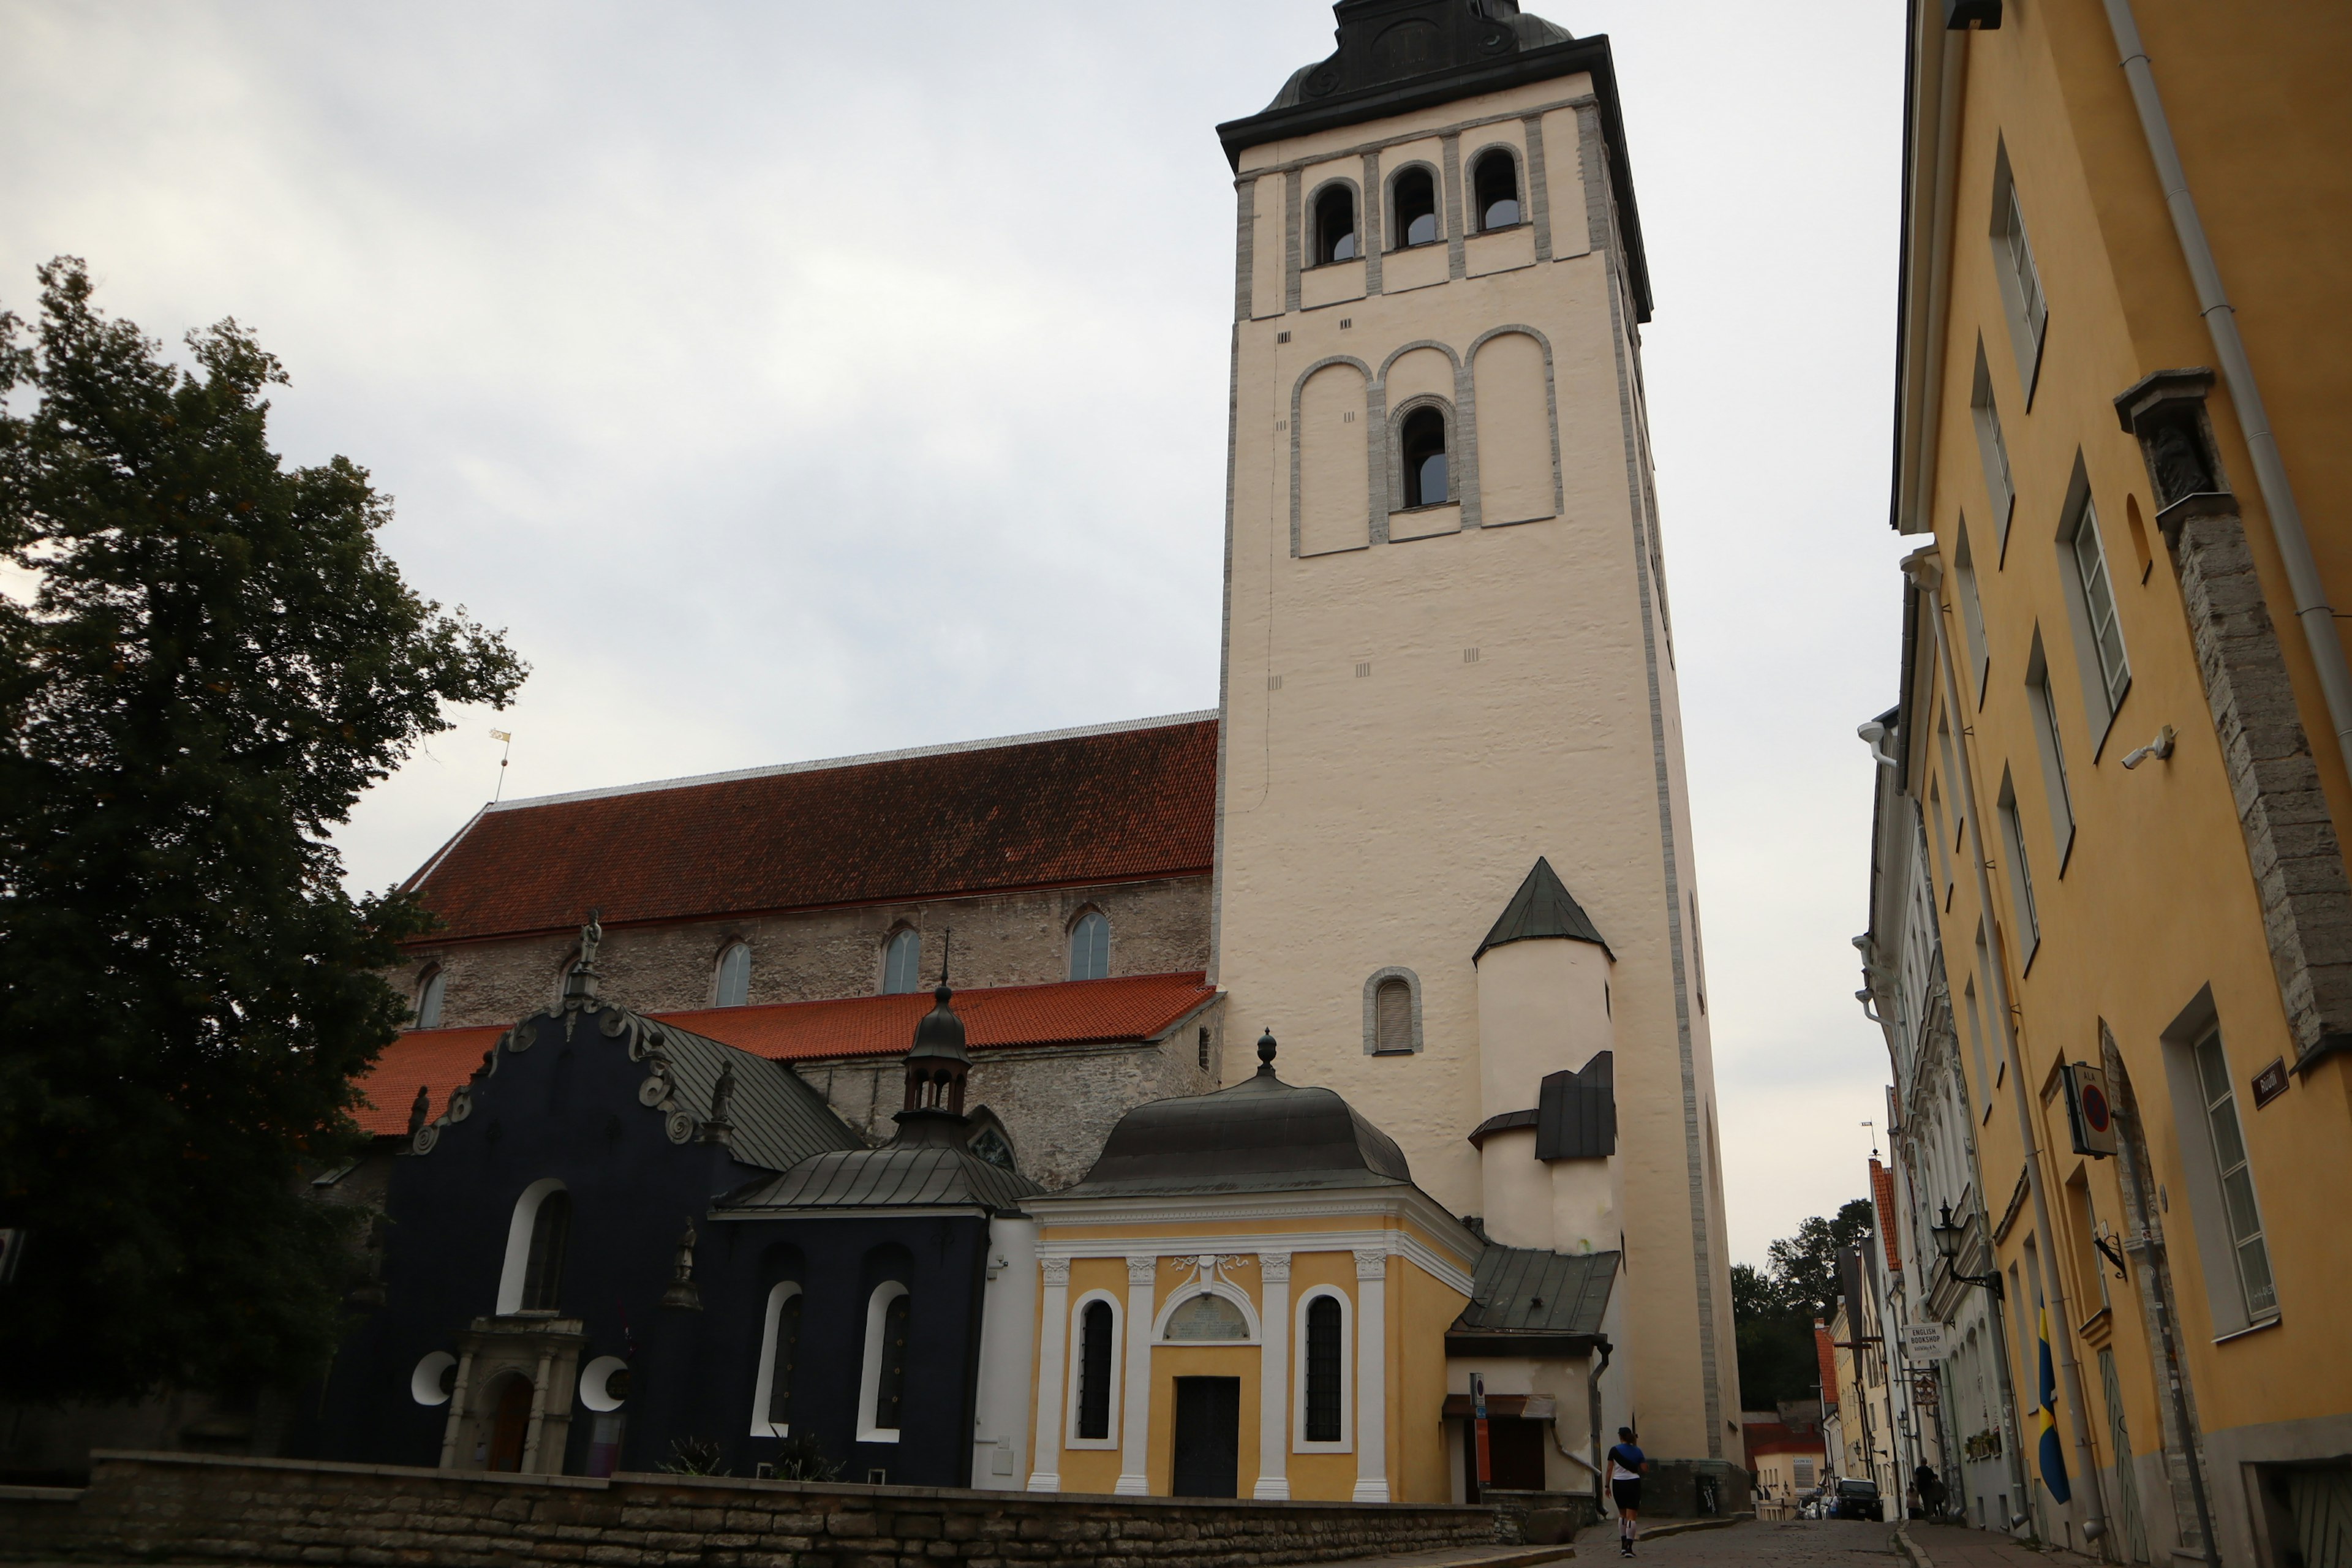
x=1626, y=1464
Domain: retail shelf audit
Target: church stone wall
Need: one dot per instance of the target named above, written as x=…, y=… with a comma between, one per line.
x=1014, y=938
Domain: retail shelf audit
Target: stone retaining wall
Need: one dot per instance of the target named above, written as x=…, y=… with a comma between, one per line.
x=197, y=1508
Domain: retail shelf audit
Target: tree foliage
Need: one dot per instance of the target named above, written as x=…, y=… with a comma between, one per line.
x=216, y=660
x=1773, y=1309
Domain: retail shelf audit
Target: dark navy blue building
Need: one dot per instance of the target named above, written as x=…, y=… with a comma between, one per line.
x=623, y=1246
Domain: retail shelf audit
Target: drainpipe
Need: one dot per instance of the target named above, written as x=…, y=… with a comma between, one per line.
x=1924, y=570
x=2311, y=606
x=1592, y=1406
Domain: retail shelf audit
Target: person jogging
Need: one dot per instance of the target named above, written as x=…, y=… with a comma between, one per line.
x=1626, y=1464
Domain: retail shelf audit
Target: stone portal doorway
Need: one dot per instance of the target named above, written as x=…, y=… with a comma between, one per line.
x=509, y=1421
x=1208, y=1436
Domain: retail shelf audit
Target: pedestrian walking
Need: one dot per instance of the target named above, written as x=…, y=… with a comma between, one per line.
x=1626, y=1464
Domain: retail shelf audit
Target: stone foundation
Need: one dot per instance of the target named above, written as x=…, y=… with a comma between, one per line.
x=199, y=1509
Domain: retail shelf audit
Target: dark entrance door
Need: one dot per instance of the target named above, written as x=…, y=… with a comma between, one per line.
x=1208, y=1436
x=510, y=1424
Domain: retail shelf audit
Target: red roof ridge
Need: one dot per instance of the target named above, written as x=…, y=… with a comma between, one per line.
x=856, y=760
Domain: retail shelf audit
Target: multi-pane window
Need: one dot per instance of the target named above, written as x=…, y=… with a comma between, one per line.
x=731, y=986
x=902, y=963
x=2099, y=604
x=1090, y=947
x=1095, y=1326
x=2237, y=1179
x=1324, y=1370
x=1992, y=450
x=2020, y=874
x=2036, y=309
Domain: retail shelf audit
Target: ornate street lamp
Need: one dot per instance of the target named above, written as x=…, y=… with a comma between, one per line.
x=1948, y=1237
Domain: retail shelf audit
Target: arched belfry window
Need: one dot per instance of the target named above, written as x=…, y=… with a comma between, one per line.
x=1495, y=179
x=1335, y=224
x=428, y=999
x=1420, y=438
x=1413, y=199
x=1090, y=947
x=1097, y=1328
x=902, y=963
x=731, y=986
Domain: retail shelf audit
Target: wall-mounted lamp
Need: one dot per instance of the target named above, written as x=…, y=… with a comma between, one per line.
x=1948, y=1237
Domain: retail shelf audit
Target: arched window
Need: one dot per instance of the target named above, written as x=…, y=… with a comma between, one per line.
x=902, y=963
x=883, y=1391
x=731, y=987
x=1097, y=1327
x=1496, y=181
x=1414, y=199
x=1392, y=1017
x=1335, y=224
x=428, y=999
x=533, y=1272
x=542, y=1275
x=779, y=1345
x=1422, y=439
x=1326, y=1369
x=1090, y=947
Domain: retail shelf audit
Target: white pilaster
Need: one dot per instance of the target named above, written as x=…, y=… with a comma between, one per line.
x=1371, y=1376
x=1274, y=1377
x=1134, y=1402
x=1053, y=1355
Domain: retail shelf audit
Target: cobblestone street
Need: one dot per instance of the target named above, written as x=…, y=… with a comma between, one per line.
x=1821, y=1543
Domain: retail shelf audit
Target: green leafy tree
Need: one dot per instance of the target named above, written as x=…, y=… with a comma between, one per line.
x=215, y=661
x=1773, y=1309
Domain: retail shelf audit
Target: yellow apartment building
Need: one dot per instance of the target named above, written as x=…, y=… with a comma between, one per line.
x=2124, y=722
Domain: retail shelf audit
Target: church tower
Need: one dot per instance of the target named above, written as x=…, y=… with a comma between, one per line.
x=1453, y=835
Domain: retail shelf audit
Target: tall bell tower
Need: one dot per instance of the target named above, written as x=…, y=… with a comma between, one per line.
x=1448, y=657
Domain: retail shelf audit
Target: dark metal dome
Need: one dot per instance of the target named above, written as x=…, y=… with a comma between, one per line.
x=1260, y=1135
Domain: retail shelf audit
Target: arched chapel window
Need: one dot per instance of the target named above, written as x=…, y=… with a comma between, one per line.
x=1414, y=197
x=782, y=1358
x=1496, y=181
x=887, y=1353
x=1090, y=947
x=428, y=1000
x=1392, y=1017
x=902, y=963
x=1324, y=1369
x=542, y=1275
x=1096, y=1328
x=1422, y=440
x=1335, y=224
x=732, y=985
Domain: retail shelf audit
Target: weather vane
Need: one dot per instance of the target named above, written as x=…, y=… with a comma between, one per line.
x=505, y=746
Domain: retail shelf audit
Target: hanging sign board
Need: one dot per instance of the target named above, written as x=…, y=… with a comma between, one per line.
x=1925, y=1342
x=2089, y=1115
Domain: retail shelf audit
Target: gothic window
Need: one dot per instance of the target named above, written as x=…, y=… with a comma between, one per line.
x=1495, y=179
x=428, y=1000
x=1335, y=224
x=542, y=1277
x=1097, y=1328
x=1391, y=1016
x=993, y=1147
x=902, y=963
x=1090, y=947
x=1421, y=439
x=1413, y=199
x=731, y=987
x=1325, y=1371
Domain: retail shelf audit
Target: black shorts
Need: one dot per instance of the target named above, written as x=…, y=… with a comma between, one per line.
x=1628, y=1495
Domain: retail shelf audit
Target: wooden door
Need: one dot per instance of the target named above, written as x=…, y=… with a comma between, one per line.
x=1208, y=1436
x=509, y=1421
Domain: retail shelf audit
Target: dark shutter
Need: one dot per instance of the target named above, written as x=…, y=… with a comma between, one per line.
x=1577, y=1112
x=1093, y=1370
x=1324, y=1370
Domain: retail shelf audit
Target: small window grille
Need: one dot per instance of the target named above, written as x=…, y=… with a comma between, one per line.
x=1324, y=1370
x=1469, y=656
x=1392, y=1018
x=1094, y=1371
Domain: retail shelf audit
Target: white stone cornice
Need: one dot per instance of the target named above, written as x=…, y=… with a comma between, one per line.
x=1400, y=1244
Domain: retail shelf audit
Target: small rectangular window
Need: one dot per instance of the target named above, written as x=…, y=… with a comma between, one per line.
x=2022, y=299
x=2021, y=875
x=1972, y=625
x=1992, y=452
x=2099, y=657
x=2236, y=1176
x=2099, y=604
x=2054, y=753
x=1977, y=1038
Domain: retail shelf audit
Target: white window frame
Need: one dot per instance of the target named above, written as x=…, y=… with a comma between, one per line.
x=869, y=1377
x=762, y=1422
x=1372, y=983
x=432, y=990
x=1972, y=625
x=718, y=975
x=1076, y=1342
x=2055, y=781
x=519, y=1228
x=1089, y=913
x=2104, y=689
x=2213, y=1176
x=1992, y=453
x=2024, y=301
x=1298, y=1441
x=2020, y=873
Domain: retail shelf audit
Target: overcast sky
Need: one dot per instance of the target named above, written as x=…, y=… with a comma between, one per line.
x=794, y=380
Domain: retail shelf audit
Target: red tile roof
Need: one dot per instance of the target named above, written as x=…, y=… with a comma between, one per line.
x=1825, y=1349
x=1069, y=1013
x=1060, y=810
x=1762, y=1437
x=1881, y=1193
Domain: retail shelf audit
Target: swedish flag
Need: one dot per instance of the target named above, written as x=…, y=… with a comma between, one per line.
x=2045, y=1420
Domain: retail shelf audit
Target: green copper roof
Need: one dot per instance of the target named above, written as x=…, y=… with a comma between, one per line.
x=1542, y=907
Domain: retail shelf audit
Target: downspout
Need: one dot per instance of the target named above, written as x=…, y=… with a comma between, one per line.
x=1592, y=1408
x=2311, y=606
x=1928, y=574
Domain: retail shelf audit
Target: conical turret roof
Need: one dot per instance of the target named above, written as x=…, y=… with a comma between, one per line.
x=1542, y=907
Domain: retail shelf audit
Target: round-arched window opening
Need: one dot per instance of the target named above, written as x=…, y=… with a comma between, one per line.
x=1416, y=198
x=428, y=999
x=605, y=1384
x=902, y=963
x=1422, y=439
x=731, y=984
x=1335, y=224
x=435, y=1379
x=1090, y=947
x=1496, y=181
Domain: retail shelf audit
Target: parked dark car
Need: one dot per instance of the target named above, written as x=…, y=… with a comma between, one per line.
x=1858, y=1499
